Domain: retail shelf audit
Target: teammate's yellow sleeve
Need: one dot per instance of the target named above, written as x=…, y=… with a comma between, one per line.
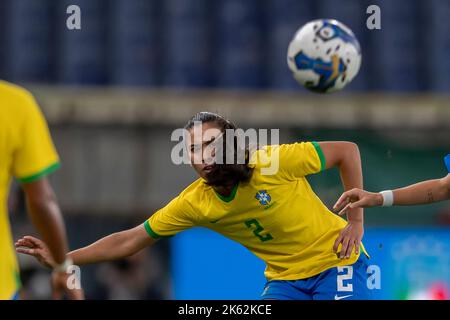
x=36, y=155
x=175, y=217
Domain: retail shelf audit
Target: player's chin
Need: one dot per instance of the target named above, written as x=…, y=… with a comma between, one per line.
x=214, y=175
x=226, y=174
x=204, y=171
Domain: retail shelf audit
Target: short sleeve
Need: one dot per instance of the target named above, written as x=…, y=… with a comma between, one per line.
x=292, y=161
x=175, y=217
x=301, y=159
x=35, y=155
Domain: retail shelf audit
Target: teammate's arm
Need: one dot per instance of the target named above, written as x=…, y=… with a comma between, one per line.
x=346, y=157
x=46, y=217
x=35, y=157
x=420, y=193
x=115, y=246
x=45, y=214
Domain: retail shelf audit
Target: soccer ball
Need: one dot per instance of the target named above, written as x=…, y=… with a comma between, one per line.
x=324, y=55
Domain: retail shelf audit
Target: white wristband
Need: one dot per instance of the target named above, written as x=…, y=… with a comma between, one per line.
x=63, y=266
x=388, y=198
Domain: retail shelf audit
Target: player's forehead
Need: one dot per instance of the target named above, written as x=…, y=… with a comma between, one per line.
x=204, y=132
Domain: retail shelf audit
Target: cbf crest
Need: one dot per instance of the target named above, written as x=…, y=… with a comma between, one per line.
x=263, y=197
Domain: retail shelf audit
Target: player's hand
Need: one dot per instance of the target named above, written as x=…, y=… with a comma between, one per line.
x=357, y=198
x=36, y=248
x=350, y=237
x=60, y=287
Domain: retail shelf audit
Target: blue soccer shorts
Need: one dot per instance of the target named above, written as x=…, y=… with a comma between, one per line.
x=447, y=162
x=338, y=283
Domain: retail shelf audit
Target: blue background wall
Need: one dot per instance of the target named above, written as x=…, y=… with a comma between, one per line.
x=413, y=261
x=221, y=43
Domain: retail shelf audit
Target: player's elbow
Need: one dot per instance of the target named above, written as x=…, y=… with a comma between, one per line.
x=340, y=153
x=349, y=153
x=351, y=146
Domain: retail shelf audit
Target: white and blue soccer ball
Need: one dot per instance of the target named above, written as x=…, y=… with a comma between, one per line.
x=324, y=55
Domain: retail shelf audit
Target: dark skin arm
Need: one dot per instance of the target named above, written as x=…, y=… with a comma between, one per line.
x=45, y=215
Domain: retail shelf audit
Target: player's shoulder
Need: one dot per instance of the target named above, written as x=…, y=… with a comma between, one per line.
x=192, y=199
x=19, y=101
x=193, y=192
x=265, y=155
x=261, y=156
x=12, y=91
x=284, y=146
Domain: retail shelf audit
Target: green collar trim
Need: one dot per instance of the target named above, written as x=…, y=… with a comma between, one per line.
x=231, y=196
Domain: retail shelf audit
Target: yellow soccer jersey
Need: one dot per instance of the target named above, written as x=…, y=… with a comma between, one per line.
x=278, y=217
x=26, y=152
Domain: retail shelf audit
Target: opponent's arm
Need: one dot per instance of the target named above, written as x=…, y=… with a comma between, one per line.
x=420, y=193
x=115, y=246
x=423, y=192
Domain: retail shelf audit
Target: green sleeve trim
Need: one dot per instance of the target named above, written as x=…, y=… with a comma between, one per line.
x=152, y=233
x=41, y=174
x=18, y=280
x=320, y=154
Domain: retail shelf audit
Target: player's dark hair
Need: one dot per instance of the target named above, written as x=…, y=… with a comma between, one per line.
x=224, y=175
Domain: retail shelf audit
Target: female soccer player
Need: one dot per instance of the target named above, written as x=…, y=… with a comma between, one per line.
x=310, y=252
x=28, y=154
x=420, y=193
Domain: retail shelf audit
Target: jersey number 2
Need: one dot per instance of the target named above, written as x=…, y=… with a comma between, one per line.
x=257, y=231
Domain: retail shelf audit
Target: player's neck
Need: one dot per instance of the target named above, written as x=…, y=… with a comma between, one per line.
x=224, y=190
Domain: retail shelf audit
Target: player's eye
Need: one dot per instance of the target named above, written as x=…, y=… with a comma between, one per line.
x=196, y=148
x=214, y=142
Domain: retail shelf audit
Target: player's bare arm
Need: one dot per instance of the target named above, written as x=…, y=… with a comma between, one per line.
x=115, y=246
x=420, y=193
x=423, y=192
x=46, y=216
x=346, y=157
x=44, y=211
